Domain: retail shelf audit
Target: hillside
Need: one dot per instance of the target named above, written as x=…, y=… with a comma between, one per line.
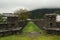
x=39, y=13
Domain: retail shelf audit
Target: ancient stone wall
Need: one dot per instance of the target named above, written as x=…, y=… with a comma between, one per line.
x=58, y=24
x=3, y=26
x=39, y=23
x=50, y=20
x=22, y=24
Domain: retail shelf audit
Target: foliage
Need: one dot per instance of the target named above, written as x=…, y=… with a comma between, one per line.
x=23, y=14
x=1, y=18
x=39, y=13
x=57, y=12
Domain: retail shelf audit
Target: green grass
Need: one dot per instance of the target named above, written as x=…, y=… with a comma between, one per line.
x=31, y=27
x=15, y=37
x=42, y=36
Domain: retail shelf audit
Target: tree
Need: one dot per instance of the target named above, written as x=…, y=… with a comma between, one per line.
x=57, y=12
x=1, y=18
x=23, y=14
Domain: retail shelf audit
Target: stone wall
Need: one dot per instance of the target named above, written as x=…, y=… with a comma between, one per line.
x=22, y=24
x=3, y=26
x=39, y=23
x=50, y=20
x=58, y=24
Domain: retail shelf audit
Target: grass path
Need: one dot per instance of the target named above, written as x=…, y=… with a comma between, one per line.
x=31, y=27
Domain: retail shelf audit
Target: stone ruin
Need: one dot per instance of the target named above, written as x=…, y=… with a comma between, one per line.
x=12, y=25
x=49, y=23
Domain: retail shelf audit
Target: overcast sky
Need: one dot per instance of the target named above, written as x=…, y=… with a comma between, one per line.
x=12, y=5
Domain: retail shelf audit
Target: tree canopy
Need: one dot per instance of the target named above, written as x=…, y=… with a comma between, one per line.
x=23, y=14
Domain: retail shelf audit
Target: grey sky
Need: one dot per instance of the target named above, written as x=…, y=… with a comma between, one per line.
x=12, y=5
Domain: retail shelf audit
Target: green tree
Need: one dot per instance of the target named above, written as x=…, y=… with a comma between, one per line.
x=1, y=18
x=23, y=14
x=57, y=12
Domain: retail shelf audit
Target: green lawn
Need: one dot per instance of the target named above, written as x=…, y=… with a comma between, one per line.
x=30, y=28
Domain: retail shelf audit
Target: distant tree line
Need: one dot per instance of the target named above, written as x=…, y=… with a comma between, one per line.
x=39, y=13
